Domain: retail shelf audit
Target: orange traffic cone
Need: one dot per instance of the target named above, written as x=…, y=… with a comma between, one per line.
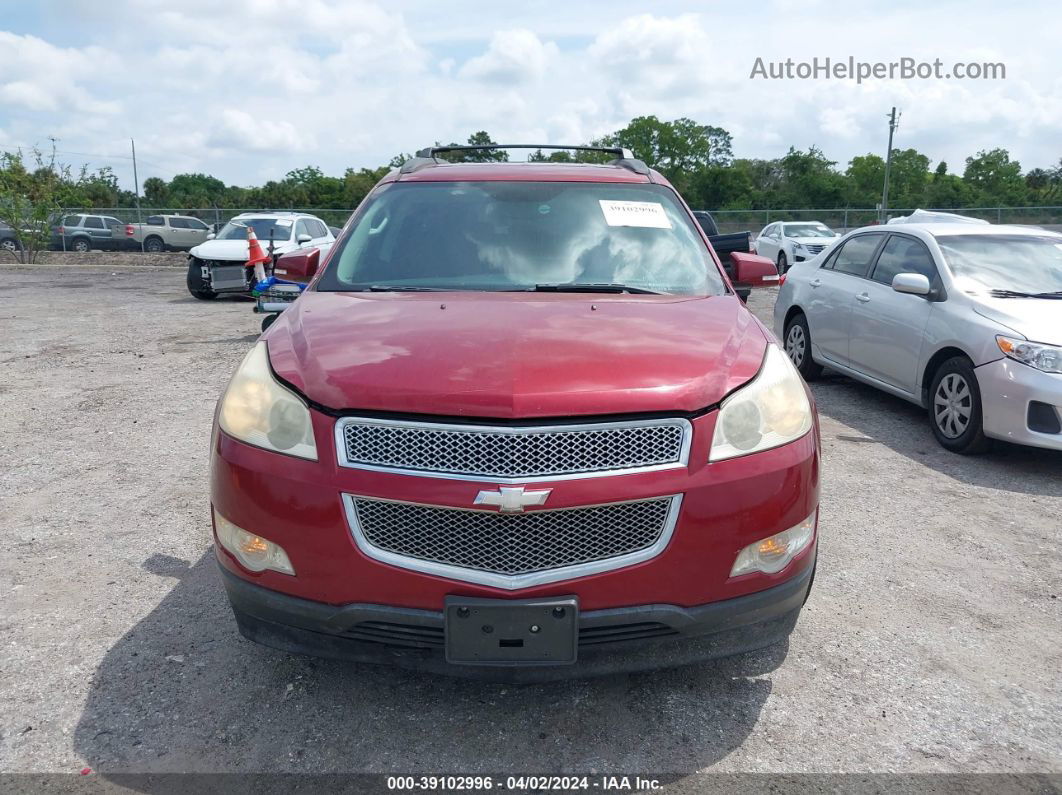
x=256, y=256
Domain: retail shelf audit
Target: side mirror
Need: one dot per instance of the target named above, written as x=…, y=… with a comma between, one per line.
x=911, y=283
x=303, y=239
x=751, y=270
x=211, y=236
x=297, y=266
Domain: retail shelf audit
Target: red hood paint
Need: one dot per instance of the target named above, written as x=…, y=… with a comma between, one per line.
x=511, y=355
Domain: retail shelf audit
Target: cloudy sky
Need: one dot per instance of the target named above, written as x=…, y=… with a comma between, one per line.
x=249, y=89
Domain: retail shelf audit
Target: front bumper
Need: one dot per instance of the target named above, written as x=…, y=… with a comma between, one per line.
x=610, y=641
x=227, y=276
x=726, y=506
x=1007, y=390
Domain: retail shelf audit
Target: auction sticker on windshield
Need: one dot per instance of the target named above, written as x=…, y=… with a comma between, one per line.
x=645, y=214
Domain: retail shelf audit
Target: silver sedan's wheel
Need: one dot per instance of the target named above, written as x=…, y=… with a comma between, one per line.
x=796, y=344
x=953, y=405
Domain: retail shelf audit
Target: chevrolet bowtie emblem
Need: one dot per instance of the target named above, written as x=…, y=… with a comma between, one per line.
x=512, y=499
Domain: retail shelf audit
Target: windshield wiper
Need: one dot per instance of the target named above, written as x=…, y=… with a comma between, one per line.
x=1018, y=294
x=580, y=287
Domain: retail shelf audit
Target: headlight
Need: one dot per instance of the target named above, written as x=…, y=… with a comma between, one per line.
x=1043, y=357
x=797, y=245
x=253, y=552
x=773, y=554
x=772, y=410
x=259, y=411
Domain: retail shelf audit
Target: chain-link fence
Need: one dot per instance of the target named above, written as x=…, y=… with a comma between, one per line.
x=844, y=219
x=209, y=215
x=841, y=219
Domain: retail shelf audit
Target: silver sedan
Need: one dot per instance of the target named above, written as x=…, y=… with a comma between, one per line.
x=965, y=321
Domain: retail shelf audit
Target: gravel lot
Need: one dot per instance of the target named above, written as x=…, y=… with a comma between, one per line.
x=932, y=641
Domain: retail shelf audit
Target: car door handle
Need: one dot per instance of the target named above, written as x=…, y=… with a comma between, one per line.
x=816, y=282
x=863, y=298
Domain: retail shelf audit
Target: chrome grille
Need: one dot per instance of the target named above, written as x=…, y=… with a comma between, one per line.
x=815, y=249
x=511, y=550
x=515, y=453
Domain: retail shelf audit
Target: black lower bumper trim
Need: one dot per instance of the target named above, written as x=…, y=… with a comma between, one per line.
x=615, y=640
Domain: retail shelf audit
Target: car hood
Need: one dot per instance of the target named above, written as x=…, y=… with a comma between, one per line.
x=234, y=249
x=508, y=355
x=1036, y=319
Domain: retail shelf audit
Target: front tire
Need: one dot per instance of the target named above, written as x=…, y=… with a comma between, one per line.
x=797, y=344
x=197, y=286
x=955, y=408
x=268, y=321
x=783, y=262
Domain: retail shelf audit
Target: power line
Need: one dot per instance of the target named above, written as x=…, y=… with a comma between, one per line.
x=87, y=154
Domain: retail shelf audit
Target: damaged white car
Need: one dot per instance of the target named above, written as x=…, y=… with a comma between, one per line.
x=219, y=265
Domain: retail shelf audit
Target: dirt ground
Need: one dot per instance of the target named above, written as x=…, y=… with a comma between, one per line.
x=931, y=643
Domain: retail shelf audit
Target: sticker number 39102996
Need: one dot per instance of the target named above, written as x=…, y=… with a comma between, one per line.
x=644, y=214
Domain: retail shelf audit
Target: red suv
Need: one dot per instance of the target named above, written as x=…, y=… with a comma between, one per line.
x=519, y=426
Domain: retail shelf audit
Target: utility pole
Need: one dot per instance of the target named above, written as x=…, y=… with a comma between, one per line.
x=136, y=193
x=894, y=122
x=59, y=220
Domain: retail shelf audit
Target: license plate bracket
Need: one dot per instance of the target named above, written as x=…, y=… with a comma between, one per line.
x=512, y=632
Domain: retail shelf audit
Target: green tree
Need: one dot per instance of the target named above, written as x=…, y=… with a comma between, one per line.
x=677, y=149
x=1045, y=184
x=357, y=184
x=948, y=191
x=100, y=188
x=995, y=177
x=481, y=138
x=156, y=192
x=721, y=188
x=30, y=201
x=196, y=190
x=864, y=180
x=808, y=179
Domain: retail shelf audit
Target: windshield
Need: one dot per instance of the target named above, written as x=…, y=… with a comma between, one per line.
x=522, y=235
x=808, y=230
x=1022, y=263
x=236, y=229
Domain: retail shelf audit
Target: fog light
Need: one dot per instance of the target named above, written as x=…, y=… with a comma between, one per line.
x=253, y=552
x=773, y=554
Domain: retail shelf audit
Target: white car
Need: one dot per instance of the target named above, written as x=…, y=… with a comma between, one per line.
x=787, y=242
x=963, y=320
x=219, y=265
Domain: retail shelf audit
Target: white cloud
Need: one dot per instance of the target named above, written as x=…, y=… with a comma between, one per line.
x=38, y=76
x=514, y=56
x=250, y=89
x=647, y=42
x=240, y=129
x=839, y=122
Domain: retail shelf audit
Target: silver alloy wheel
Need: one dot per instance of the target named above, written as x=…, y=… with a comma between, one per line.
x=796, y=344
x=80, y=246
x=9, y=245
x=953, y=405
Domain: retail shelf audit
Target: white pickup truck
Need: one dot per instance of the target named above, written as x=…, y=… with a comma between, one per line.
x=163, y=232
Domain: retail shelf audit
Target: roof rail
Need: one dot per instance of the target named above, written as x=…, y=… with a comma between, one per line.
x=426, y=157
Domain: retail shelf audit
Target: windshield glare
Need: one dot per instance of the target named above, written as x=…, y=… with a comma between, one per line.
x=516, y=235
x=808, y=230
x=1022, y=263
x=236, y=229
